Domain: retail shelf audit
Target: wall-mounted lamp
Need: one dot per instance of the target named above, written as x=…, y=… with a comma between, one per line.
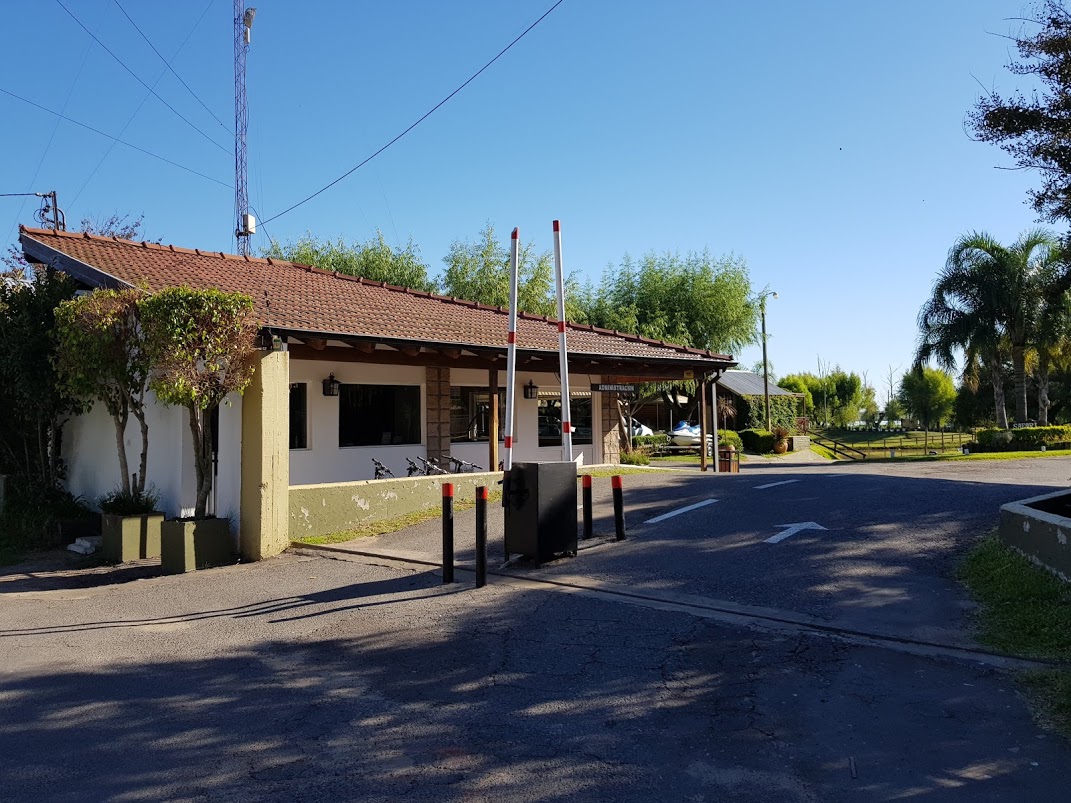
x=530, y=390
x=331, y=386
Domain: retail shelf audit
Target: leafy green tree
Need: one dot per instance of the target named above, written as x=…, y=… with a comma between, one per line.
x=373, y=259
x=34, y=403
x=804, y=383
x=201, y=346
x=101, y=356
x=694, y=300
x=846, y=396
x=1035, y=128
x=479, y=271
x=929, y=395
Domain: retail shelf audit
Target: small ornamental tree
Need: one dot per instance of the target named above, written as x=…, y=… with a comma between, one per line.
x=201, y=345
x=101, y=356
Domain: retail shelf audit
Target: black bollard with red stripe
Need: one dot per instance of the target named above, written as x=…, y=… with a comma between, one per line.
x=448, y=532
x=619, y=507
x=586, y=487
x=481, y=536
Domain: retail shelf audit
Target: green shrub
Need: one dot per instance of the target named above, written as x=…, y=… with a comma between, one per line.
x=635, y=459
x=650, y=440
x=31, y=517
x=728, y=437
x=760, y=441
x=129, y=503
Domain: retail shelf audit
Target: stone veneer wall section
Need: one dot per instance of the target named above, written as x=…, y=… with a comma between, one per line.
x=610, y=429
x=438, y=412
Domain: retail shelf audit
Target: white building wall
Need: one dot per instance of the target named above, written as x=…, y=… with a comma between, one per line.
x=93, y=462
x=324, y=460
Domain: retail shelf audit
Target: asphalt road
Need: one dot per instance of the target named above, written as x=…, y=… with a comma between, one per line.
x=307, y=678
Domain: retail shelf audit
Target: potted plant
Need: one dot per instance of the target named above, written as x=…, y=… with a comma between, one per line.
x=201, y=346
x=780, y=435
x=100, y=355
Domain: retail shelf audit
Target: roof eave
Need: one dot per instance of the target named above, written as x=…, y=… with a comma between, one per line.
x=38, y=252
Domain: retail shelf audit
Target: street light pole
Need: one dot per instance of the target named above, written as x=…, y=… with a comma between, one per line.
x=765, y=364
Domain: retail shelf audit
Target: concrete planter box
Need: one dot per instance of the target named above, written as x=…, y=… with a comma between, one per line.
x=188, y=544
x=1040, y=528
x=131, y=537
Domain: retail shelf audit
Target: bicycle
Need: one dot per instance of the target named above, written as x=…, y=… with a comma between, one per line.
x=431, y=468
x=381, y=470
x=414, y=470
x=463, y=466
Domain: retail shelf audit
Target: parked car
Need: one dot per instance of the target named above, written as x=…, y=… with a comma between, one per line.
x=639, y=429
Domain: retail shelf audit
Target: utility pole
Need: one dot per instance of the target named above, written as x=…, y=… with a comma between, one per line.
x=50, y=214
x=247, y=225
x=765, y=364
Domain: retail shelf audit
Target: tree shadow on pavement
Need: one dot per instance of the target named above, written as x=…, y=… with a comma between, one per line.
x=536, y=697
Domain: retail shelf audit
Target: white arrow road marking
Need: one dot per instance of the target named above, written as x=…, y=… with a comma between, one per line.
x=799, y=526
x=673, y=513
x=774, y=484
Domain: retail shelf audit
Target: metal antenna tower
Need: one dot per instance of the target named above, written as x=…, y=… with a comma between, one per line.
x=247, y=225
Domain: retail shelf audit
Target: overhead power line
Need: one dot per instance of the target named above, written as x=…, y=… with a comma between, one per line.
x=116, y=139
x=138, y=78
x=134, y=114
x=169, y=67
x=426, y=115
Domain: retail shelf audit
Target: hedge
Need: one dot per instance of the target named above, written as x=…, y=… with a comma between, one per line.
x=760, y=441
x=729, y=437
x=650, y=440
x=1024, y=439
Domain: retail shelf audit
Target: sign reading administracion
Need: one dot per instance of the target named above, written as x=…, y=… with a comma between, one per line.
x=612, y=388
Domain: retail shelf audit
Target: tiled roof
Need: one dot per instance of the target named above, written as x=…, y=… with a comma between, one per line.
x=299, y=298
x=745, y=383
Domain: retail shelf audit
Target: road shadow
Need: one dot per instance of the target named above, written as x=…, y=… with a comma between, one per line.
x=541, y=697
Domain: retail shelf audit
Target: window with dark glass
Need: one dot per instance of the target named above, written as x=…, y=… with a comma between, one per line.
x=550, y=418
x=378, y=415
x=299, y=415
x=470, y=414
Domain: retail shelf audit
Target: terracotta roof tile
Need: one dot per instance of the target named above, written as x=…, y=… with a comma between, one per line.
x=296, y=297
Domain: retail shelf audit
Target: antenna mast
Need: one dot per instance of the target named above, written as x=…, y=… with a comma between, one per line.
x=247, y=225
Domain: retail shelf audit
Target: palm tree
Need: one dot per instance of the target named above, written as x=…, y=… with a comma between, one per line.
x=1052, y=341
x=987, y=292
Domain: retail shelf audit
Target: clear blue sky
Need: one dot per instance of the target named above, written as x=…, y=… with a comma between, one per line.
x=821, y=141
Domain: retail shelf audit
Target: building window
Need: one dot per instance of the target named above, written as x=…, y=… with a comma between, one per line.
x=550, y=418
x=470, y=415
x=299, y=415
x=378, y=415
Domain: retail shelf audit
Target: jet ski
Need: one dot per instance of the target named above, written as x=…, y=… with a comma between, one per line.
x=687, y=435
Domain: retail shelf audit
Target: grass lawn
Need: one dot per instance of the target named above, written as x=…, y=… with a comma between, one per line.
x=822, y=451
x=914, y=439
x=1024, y=611
x=977, y=456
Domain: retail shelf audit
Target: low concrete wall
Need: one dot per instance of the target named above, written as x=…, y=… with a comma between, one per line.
x=334, y=507
x=799, y=443
x=1042, y=537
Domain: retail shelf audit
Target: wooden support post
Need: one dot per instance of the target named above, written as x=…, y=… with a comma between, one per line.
x=492, y=435
x=702, y=425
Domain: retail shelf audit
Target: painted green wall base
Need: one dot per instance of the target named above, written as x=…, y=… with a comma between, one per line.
x=335, y=507
x=189, y=545
x=130, y=537
x=1042, y=536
